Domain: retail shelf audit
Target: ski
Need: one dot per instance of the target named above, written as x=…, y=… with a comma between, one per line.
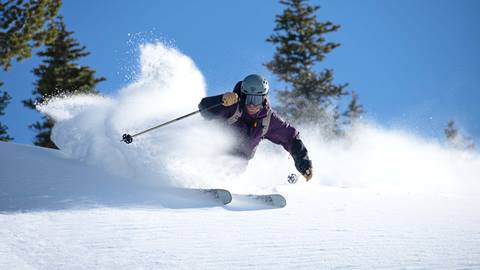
x=275, y=200
x=270, y=200
x=215, y=195
x=224, y=197
x=221, y=195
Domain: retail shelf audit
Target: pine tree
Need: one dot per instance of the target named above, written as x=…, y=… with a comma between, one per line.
x=457, y=140
x=59, y=74
x=451, y=132
x=310, y=95
x=4, y=100
x=25, y=25
x=354, y=111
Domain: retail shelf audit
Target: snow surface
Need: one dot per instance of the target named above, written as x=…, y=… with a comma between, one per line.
x=380, y=198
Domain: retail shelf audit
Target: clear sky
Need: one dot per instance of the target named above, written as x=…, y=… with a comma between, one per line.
x=415, y=64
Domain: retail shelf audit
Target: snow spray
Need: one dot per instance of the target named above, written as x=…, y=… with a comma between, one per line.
x=192, y=152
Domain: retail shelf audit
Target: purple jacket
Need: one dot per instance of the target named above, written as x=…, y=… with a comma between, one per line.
x=250, y=131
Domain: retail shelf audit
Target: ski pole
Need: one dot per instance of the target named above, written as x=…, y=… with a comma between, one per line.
x=127, y=138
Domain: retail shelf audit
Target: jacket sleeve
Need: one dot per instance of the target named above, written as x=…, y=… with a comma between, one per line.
x=281, y=132
x=217, y=112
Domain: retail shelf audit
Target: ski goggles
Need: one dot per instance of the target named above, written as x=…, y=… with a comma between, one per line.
x=254, y=100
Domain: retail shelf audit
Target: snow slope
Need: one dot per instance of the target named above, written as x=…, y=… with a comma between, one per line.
x=57, y=213
x=380, y=198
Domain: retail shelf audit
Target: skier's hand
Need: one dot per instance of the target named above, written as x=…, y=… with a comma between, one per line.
x=229, y=99
x=304, y=166
x=308, y=174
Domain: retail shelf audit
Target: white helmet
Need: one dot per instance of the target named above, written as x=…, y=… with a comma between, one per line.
x=254, y=89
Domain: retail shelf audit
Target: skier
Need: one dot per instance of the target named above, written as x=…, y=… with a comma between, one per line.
x=248, y=110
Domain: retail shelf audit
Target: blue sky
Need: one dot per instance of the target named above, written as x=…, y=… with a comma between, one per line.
x=414, y=64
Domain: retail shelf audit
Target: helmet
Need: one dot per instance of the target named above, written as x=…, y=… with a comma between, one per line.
x=254, y=85
x=254, y=89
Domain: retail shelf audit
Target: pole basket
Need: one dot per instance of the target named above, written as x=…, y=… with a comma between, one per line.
x=127, y=138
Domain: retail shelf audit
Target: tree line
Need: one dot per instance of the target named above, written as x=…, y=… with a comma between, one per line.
x=310, y=95
x=25, y=26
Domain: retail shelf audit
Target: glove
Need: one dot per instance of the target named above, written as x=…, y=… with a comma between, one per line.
x=308, y=174
x=229, y=99
x=304, y=166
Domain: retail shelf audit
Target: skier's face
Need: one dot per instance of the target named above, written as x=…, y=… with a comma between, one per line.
x=252, y=109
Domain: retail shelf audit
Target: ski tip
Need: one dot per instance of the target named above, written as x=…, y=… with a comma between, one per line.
x=225, y=196
x=222, y=195
x=279, y=201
